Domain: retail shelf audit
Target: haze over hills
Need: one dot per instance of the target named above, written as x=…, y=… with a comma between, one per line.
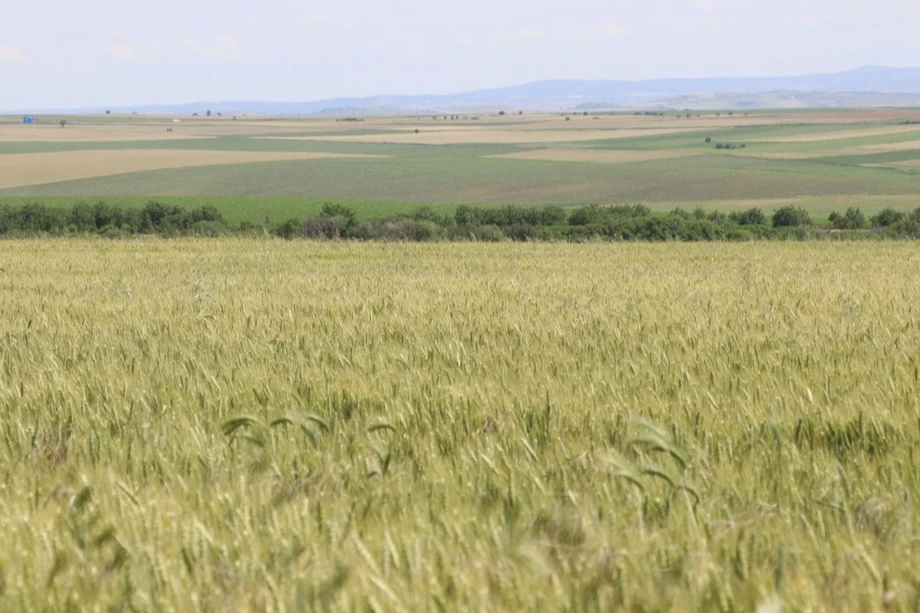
x=866, y=86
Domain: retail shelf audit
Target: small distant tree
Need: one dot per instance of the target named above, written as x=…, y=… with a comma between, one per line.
x=345, y=215
x=790, y=216
x=887, y=217
x=853, y=219
x=708, y=139
x=108, y=112
x=208, y=112
x=501, y=112
x=63, y=122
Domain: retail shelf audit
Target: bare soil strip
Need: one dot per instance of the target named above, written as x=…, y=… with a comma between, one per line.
x=17, y=170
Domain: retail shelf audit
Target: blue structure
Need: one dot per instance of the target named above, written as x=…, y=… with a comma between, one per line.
x=28, y=120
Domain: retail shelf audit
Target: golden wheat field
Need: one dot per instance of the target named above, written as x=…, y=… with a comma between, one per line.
x=205, y=425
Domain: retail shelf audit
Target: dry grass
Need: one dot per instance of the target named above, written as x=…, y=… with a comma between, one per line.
x=597, y=156
x=37, y=168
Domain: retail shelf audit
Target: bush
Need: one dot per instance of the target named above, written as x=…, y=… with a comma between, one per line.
x=750, y=217
x=853, y=219
x=38, y=218
x=467, y=216
x=593, y=213
x=552, y=215
x=737, y=235
x=289, y=229
x=207, y=228
x=790, y=217
x=483, y=233
x=327, y=228
x=887, y=217
x=907, y=227
x=519, y=232
x=400, y=230
x=427, y=213
x=346, y=216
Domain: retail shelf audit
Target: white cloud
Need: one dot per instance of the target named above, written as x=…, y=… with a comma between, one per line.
x=11, y=55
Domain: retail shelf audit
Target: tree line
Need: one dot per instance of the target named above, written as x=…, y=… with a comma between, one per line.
x=621, y=222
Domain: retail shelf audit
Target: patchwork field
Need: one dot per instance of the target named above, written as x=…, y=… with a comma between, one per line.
x=863, y=157
x=22, y=169
x=270, y=425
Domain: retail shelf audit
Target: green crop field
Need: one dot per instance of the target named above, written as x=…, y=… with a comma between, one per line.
x=269, y=425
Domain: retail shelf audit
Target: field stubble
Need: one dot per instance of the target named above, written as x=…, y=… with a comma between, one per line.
x=234, y=424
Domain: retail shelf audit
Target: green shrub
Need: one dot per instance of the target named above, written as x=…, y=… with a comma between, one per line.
x=593, y=213
x=853, y=219
x=289, y=229
x=887, y=217
x=519, y=232
x=400, y=229
x=552, y=215
x=483, y=233
x=790, y=217
x=750, y=217
x=348, y=220
x=427, y=213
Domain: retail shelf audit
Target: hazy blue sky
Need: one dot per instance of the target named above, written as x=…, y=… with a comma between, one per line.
x=123, y=52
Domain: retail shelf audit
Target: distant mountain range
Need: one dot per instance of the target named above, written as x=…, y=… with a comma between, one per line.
x=867, y=86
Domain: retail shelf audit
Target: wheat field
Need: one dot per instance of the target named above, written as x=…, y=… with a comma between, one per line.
x=262, y=425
